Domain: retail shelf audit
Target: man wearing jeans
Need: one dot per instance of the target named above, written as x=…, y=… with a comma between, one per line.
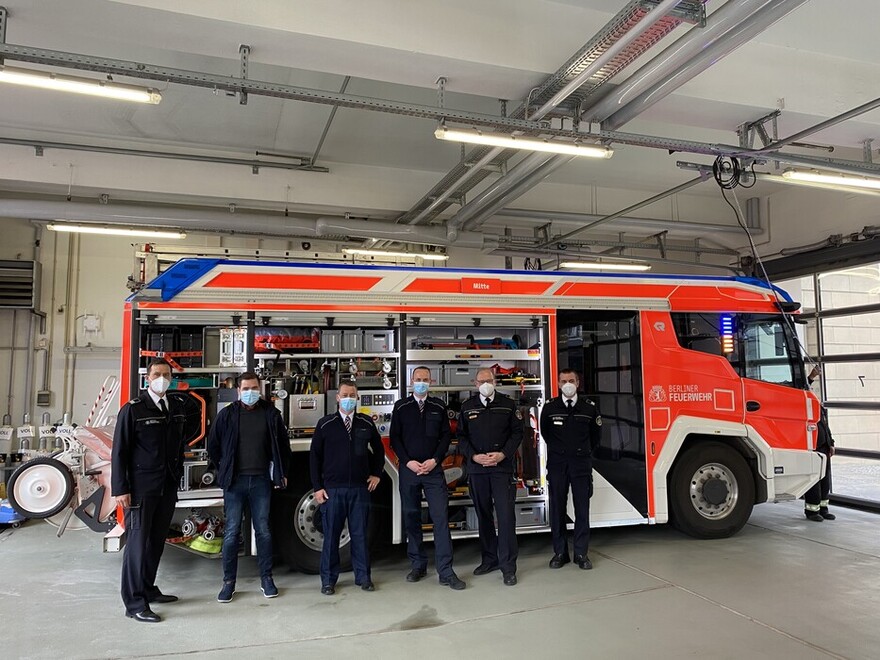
x=250, y=447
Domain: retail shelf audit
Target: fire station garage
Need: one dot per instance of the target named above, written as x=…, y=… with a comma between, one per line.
x=621, y=253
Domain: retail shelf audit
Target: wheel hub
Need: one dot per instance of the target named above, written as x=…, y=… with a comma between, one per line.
x=714, y=491
x=40, y=489
x=309, y=524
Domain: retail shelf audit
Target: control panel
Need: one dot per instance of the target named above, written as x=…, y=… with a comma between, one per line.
x=378, y=404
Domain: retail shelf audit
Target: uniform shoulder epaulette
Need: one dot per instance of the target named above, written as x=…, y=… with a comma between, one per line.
x=133, y=401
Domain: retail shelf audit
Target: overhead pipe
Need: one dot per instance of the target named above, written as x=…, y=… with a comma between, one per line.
x=645, y=202
x=742, y=33
x=217, y=220
x=718, y=25
x=500, y=186
x=656, y=14
x=430, y=235
x=821, y=126
x=479, y=205
x=513, y=192
x=652, y=224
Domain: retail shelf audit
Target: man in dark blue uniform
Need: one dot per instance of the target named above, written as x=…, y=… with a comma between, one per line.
x=420, y=437
x=571, y=427
x=251, y=449
x=147, y=463
x=346, y=460
x=490, y=430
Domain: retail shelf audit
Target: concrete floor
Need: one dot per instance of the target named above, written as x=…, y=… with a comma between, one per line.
x=784, y=587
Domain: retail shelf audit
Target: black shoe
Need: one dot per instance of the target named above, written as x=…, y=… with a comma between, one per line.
x=510, y=579
x=826, y=515
x=416, y=574
x=815, y=516
x=583, y=563
x=146, y=616
x=482, y=569
x=162, y=598
x=328, y=590
x=368, y=586
x=559, y=561
x=453, y=582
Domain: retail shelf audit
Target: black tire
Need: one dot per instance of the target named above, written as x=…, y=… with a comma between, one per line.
x=40, y=488
x=711, y=491
x=297, y=529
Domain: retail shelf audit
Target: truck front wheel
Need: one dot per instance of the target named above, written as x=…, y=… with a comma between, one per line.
x=299, y=533
x=711, y=491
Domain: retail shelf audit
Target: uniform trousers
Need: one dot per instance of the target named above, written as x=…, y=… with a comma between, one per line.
x=352, y=504
x=581, y=485
x=434, y=486
x=496, y=490
x=146, y=526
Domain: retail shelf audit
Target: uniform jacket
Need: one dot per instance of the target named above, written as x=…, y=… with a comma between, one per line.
x=147, y=452
x=824, y=440
x=338, y=460
x=224, y=438
x=571, y=434
x=416, y=436
x=498, y=427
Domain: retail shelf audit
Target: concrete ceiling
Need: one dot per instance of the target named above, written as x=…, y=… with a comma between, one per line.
x=820, y=60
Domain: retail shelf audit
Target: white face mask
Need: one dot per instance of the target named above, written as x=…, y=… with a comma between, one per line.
x=487, y=389
x=569, y=390
x=159, y=386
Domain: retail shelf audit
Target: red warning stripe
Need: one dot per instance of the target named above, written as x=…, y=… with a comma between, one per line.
x=296, y=282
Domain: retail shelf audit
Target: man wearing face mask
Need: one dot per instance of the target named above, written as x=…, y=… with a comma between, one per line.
x=571, y=426
x=146, y=462
x=490, y=430
x=420, y=437
x=346, y=460
x=250, y=446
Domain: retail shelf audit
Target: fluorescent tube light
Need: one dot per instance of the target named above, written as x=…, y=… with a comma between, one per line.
x=115, y=231
x=403, y=255
x=814, y=176
x=90, y=86
x=475, y=136
x=599, y=265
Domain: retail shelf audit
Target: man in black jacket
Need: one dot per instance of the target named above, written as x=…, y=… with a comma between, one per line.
x=571, y=426
x=816, y=499
x=250, y=447
x=420, y=437
x=490, y=430
x=146, y=463
x=346, y=460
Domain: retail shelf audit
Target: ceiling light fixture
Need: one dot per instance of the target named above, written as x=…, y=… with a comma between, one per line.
x=114, y=231
x=399, y=255
x=76, y=85
x=604, y=265
x=508, y=141
x=826, y=178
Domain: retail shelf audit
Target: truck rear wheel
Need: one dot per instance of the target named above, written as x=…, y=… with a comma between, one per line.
x=299, y=533
x=711, y=491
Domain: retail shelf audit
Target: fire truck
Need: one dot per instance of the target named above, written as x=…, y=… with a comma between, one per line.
x=699, y=380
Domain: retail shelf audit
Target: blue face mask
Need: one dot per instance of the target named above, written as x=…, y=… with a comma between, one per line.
x=420, y=389
x=249, y=397
x=347, y=405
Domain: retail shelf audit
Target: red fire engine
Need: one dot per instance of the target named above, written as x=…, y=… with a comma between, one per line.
x=699, y=380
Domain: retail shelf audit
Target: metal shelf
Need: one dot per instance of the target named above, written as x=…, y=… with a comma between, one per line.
x=434, y=355
x=472, y=388
x=202, y=370
x=306, y=356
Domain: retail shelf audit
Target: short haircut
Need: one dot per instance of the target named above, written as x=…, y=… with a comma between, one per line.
x=348, y=383
x=569, y=371
x=421, y=368
x=247, y=375
x=482, y=369
x=157, y=362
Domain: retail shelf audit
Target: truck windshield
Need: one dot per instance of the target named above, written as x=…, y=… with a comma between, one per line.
x=768, y=350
